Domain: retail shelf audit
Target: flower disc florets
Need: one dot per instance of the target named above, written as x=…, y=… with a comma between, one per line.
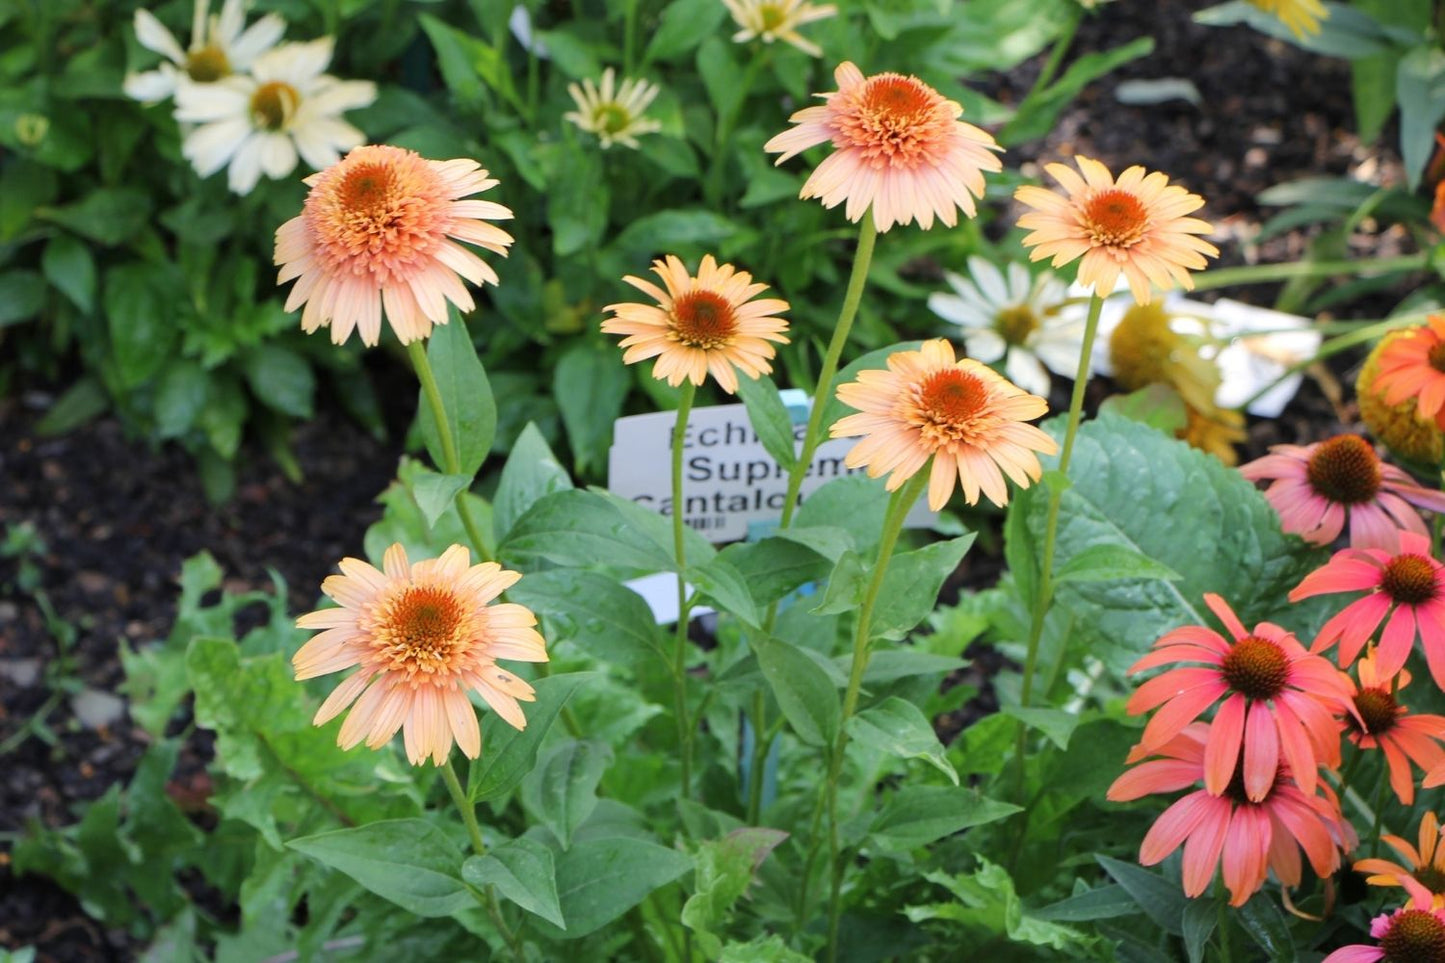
x=1345, y=469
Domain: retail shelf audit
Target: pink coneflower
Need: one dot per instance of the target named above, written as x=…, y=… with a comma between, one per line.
x=1315, y=487
x=1410, y=582
x=1413, y=366
x=1424, y=878
x=424, y=635
x=1251, y=836
x=1277, y=698
x=1414, y=932
x=899, y=147
x=1381, y=722
x=379, y=232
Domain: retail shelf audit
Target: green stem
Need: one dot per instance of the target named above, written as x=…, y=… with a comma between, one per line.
x=1379, y=817
x=474, y=832
x=898, y=507
x=679, y=651
x=762, y=741
x=1223, y=901
x=1056, y=56
x=629, y=36
x=1265, y=273
x=416, y=350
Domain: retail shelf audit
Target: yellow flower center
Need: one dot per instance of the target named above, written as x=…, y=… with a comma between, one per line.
x=611, y=118
x=208, y=64
x=1377, y=708
x=1409, y=579
x=1414, y=936
x=1436, y=356
x=420, y=630
x=273, y=104
x=1256, y=668
x=703, y=319
x=1142, y=346
x=1345, y=469
x=1115, y=218
x=1015, y=324
x=771, y=16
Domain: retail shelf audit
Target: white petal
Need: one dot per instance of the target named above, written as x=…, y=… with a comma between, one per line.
x=278, y=155
x=210, y=146
x=203, y=103
x=335, y=96
x=989, y=280
x=152, y=86
x=951, y=307
x=245, y=167
x=153, y=35
x=1024, y=370
x=259, y=38
x=985, y=345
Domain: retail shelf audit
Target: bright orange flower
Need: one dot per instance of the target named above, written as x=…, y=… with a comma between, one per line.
x=1424, y=875
x=708, y=323
x=377, y=233
x=1135, y=226
x=960, y=413
x=1413, y=366
x=423, y=634
x=1381, y=722
x=899, y=147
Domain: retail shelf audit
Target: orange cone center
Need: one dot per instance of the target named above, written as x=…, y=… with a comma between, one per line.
x=1256, y=668
x=1409, y=579
x=419, y=630
x=1377, y=708
x=1115, y=218
x=1345, y=469
x=1414, y=936
x=703, y=319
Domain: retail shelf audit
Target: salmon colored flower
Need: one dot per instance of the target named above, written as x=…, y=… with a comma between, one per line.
x=424, y=635
x=1135, y=226
x=1413, y=366
x=1248, y=836
x=1424, y=876
x=770, y=20
x=960, y=413
x=1278, y=701
x=1414, y=932
x=899, y=148
x=1381, y=722
x=1409, y=586
x=378, y=234
x=708, y=323
x=1314, y=488
x=1302, y=17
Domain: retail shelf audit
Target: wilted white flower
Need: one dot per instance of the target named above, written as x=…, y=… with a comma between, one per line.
x=613, y=113
x=259, y=123
x=220, y=46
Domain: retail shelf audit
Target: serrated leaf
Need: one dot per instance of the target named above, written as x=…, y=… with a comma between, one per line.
x=769, y=418
x=509, y=754
x=471, y=412
x=531, y=471
x=562, y=790
x=805, y=693
x=407, y=861
x=435, y=493
x=524, y=872
x=1106, y=563
x=1161, y=899
x=724, y=869
x=140, y=329
x=918, y=815
x=900, y=728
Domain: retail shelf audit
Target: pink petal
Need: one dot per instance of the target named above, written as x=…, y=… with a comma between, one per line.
x=1226, y=737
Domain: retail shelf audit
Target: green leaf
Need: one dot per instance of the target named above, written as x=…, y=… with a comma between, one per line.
x=1106, y=563
x=140, y=332
x=435, y=493
x=1157, y=405
x=459, y=57
x=1201, y=917
x=770, y=419
x=108, y=216
x=590, y=382
x=988, y=906
x=846, y=586
x=524, y=872
x=900, y=728
x=81, y=402
x=724, y=868
x=69, y=266
x=1161, y=899
x=911, y=586
x=917, y=815
x=1345, y=32
x=685, y=23
x=597, y=614
x=531, y=471
x=577, y=204
x=1420, y=89
x=761, y=949
x=408, y=861
x=281, y=379
x=774, y=566
x=1036, y=115
x=22, y=295
x=1020, y=552
x=508, y=754
x=726, y=588
x=1057, y=724
x=890, y=665
x=1266, y=925
x=600, y=879
x=585, y=529
x=670, y=230
x=562, y=790
x=804, y=691
x=471, y=411
x=1102, y=903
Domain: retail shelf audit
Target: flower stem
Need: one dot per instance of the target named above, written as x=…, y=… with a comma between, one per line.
x=1265, y=273
x=452, y=463
x=898, y=507
x=474, y=831
x=679, y=651
x=1223, y=901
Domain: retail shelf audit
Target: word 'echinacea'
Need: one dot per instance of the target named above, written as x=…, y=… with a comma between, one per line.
x=1314, y=488
x=1135, y=226
x=958, y=412
x=378, y=235
x=614, y=113
x=1408, y=586
x=1413, y=366
x=700, y=325
x=770, y=20
x=1279, y=701
x=1424, y=877
x=220, y=46
x=259, y=123
x=423, y=635
x=1249, y=835
x=898, y=147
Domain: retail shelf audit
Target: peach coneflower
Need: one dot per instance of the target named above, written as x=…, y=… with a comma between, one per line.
x=1278, y=700
x=378, y=234
x=1250, y=836
x=1408, y=585
x=960, y=413
x=423, y=634
x=1381, y=722
x=708, y=323
x=1135, y=226
x=770, y=20
x=1413, y=932
x=1413, y=366
x=899, y=147
x=1424, y=877
x=1315, y=487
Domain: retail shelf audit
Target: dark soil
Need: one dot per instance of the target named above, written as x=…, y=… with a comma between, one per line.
x=117, y=519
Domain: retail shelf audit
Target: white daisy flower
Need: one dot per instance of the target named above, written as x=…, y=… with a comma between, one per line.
x=614, y=115
x=220, y=46
x=258, y=124
x=1017, y=316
